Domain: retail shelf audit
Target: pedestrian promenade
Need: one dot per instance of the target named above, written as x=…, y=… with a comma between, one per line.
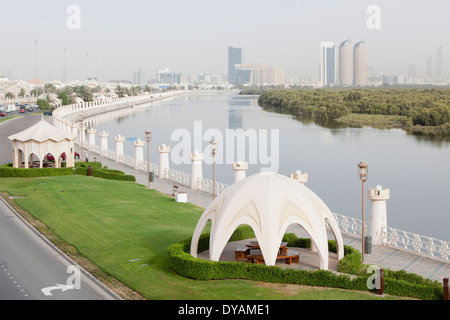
x=382, y=256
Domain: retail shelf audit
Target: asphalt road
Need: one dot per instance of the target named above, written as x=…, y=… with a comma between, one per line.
x=28, y=264
x=13, y=126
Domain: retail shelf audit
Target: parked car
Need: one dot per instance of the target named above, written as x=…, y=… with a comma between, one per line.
x=2, y=113
x=22, y=109
x=48, y=113
x=50, y=157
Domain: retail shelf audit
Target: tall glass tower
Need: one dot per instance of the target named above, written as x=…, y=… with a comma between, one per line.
x=234, y=64
x=327, y=63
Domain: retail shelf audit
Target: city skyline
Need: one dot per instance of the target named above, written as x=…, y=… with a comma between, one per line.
x=112, y=40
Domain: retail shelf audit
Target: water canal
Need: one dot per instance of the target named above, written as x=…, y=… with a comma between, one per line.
x=417, y=171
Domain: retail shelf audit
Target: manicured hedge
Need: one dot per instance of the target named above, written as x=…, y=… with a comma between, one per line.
x=35, y=172
x=81, y=168
x=398, y=283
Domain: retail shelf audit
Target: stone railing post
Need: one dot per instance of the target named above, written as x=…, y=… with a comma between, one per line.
x=119, y=146
x=299, y=176
x=91, y=138
x=138, y=153
x=163, y=160
x=74, y=129
x=197, y=159
x=103, y=142
x=239, y=168
x=378, y=218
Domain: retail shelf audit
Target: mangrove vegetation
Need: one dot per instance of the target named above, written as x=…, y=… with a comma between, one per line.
x=422, y=111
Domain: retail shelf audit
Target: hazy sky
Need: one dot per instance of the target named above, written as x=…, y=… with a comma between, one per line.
x=193, y=36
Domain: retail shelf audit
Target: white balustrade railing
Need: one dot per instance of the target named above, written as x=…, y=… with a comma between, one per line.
x=349, y=225
x=144, y=166
x=127, y=160
x=206, y=185
x=432, y=248
x=178, y=177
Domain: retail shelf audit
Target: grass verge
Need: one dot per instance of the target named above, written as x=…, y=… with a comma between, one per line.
x=120, y=231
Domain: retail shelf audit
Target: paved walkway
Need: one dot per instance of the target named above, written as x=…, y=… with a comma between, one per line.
x=382, y=256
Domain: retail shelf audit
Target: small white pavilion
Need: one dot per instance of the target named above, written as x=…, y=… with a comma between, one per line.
x=269, y=203
x=39, y=141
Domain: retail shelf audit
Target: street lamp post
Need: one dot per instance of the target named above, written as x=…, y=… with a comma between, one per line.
x=213, y=143
x=363, y=175
x=148, y=137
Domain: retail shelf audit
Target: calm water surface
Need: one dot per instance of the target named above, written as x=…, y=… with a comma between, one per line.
x=416, y=171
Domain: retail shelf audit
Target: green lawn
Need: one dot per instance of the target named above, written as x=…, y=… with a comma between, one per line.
x=110, y=222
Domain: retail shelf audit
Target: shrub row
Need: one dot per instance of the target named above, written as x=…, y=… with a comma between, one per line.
x=398, y=283
x=81, y=168
x=105, y=173
x=35, y=172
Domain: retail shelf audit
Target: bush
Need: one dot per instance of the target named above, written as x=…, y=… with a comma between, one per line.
x=81, y=168
x=398, y=283
x=35, y=172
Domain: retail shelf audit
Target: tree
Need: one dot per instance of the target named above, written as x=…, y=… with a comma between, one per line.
x=120, y=91
x=9, y=95
x=43, y=104
x=84, y=92
x=21, y=93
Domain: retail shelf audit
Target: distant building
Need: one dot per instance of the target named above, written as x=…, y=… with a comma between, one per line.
x=346, y=63
x=261, y=74
x=328, y=74
x=360, y=64
x=140, y=77
x=234, y=65
x=167, y=77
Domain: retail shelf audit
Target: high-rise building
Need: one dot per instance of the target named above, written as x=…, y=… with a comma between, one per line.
x=360, y=64
x=167, y=77
x=261, y=74
x=346, y=63
x=140, y=77
x=234, y=65
x=327, y=63
x=439, y=63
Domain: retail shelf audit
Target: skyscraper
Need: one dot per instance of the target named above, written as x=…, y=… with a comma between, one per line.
x=327, y=63
x=346, y=63
x=360, y=64
x=234, y=64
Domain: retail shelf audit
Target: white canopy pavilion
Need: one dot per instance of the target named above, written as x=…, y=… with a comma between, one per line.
x=269, y=203
x=40, y=140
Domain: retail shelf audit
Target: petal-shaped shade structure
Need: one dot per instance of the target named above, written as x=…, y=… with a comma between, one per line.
x=268, y=202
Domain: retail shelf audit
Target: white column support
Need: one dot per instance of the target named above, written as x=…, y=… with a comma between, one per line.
x=119, y=146
x=240, y=169
x=378, y=217
x=299, y=176
x=138, y=153
x=74, y=129
x=197, y=159
x=103, y=142
x=163, y=160
x=91, y=138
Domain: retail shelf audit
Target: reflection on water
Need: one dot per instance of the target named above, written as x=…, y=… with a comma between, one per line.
x=416, y=170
